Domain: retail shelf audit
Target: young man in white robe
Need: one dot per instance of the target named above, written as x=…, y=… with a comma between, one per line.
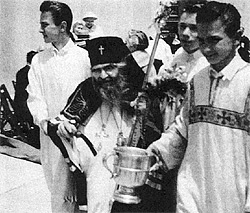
x=188, y=59
x=53, y=76
x=210, y=138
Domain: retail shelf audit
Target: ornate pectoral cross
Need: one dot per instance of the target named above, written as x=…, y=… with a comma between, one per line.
x=103, y=132
x=121, y=140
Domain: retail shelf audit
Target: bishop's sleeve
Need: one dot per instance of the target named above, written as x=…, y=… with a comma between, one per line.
x=36, y=101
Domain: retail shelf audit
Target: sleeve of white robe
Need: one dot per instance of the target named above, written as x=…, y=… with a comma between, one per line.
x=171, y=146
x=36, y=102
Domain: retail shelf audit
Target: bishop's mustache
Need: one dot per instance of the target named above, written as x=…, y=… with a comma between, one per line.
x=104, y=81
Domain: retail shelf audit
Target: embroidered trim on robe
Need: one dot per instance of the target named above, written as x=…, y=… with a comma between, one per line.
x=82, y=103
x=219, y=116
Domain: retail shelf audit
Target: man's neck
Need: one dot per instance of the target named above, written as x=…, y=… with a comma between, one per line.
x=62, y=41
x=220, y=66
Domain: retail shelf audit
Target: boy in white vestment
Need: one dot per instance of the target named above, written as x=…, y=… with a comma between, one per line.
x=210, y=138
x=187, y=59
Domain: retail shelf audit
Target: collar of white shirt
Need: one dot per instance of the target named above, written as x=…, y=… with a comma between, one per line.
x=64, y=50
x=183, y=56
x=194, y=56
x=197, y=54
x=231, y=69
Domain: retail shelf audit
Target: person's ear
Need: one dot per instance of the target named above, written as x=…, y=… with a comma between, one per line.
x=238, y=36
x=63, y=26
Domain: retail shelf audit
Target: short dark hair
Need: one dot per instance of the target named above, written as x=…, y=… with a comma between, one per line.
x=227, y=13
x=60, y=12
x=192, y=6
x=230, y=17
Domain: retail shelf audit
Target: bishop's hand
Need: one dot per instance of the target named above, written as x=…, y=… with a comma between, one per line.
x=67, y=129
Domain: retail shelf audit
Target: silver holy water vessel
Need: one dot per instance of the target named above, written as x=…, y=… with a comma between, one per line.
x=130, y=169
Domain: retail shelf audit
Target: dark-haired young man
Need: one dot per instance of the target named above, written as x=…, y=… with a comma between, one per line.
x=189, y=58
x=210, y=138
x=53, y=76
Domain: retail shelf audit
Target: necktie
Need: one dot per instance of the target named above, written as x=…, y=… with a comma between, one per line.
x=214, y=83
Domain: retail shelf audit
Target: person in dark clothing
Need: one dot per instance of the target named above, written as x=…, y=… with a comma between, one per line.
x=95, y=111
x=21, y=94
x=22, y=112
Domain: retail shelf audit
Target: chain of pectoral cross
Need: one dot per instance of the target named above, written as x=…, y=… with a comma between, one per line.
x=103, y=133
